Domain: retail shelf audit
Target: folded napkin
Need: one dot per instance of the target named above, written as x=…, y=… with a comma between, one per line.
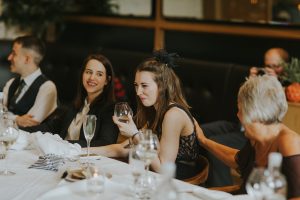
x=48, y=143
x=24, y=141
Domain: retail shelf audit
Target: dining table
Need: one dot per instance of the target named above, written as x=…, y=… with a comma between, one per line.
x=31, y=183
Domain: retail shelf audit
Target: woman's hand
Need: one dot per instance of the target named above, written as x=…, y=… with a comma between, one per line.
x=127, y=129
x=200, y=135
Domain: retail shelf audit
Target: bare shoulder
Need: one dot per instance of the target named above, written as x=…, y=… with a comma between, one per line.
x=175, y=114
x=289, y=142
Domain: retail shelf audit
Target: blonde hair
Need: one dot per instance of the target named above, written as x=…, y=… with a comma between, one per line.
x=262, y=99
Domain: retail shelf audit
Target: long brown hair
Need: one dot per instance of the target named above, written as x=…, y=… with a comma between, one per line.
x=107, y=96
x=169, y=91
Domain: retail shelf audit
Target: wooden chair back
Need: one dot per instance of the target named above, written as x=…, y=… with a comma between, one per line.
x=200, y=177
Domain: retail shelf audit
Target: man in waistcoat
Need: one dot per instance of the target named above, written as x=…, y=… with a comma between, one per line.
x=31, y=97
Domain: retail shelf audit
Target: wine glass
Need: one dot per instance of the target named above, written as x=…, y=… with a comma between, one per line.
x=8, y=136
x=147, y=150
x=89, y=126
x=122, y=110
x=256, y=185
x=148, y=147
x=137, y=165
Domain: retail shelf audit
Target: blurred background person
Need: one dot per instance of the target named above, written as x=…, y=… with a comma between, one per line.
x=273, y=60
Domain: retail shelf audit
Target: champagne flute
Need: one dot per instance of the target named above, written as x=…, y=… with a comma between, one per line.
x=89, y=126
x=8, y=136
x=122, y=110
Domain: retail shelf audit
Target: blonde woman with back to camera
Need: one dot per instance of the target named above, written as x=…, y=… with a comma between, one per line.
x=262, y=105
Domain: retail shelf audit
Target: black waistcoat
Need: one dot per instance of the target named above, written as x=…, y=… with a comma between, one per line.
x=28, y=99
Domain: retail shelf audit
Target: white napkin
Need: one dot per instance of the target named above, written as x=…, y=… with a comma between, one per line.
x=207, y=194
x=23, y=141
x=48, y=143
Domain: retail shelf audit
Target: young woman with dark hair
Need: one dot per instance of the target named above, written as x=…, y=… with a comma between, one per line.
x=95, y=96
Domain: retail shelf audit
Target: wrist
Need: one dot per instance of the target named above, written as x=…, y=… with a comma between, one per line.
x=135, y=134
x=134, y=137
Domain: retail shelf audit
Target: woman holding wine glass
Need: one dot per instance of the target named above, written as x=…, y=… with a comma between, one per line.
x=95, y=96
x=162, y=108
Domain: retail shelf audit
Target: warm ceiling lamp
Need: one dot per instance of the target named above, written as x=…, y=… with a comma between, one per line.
x=253, y=1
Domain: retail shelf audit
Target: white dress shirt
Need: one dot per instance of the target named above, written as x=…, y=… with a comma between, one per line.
x=45, y=101
x=76, y=124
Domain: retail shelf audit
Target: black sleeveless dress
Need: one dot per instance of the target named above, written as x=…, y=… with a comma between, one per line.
x=188, y=152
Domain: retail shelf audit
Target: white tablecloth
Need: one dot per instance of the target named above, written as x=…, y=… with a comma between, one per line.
x=30, y=184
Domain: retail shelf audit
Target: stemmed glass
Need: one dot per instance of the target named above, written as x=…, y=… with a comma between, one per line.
x=148, y=147
x=137, y=167
x=147, y=150
x=8, y=136
x=122, y=110
x=89, y=126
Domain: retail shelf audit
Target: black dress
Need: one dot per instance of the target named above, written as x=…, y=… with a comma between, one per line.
x=245, y=159
x=188, y=152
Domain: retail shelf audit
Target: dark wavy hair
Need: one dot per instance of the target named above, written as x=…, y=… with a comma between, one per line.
x=169, y=90
x=107, y=96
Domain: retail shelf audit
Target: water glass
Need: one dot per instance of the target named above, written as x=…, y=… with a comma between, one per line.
x=137, y=167
x=96, y=179
x=145, y=186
